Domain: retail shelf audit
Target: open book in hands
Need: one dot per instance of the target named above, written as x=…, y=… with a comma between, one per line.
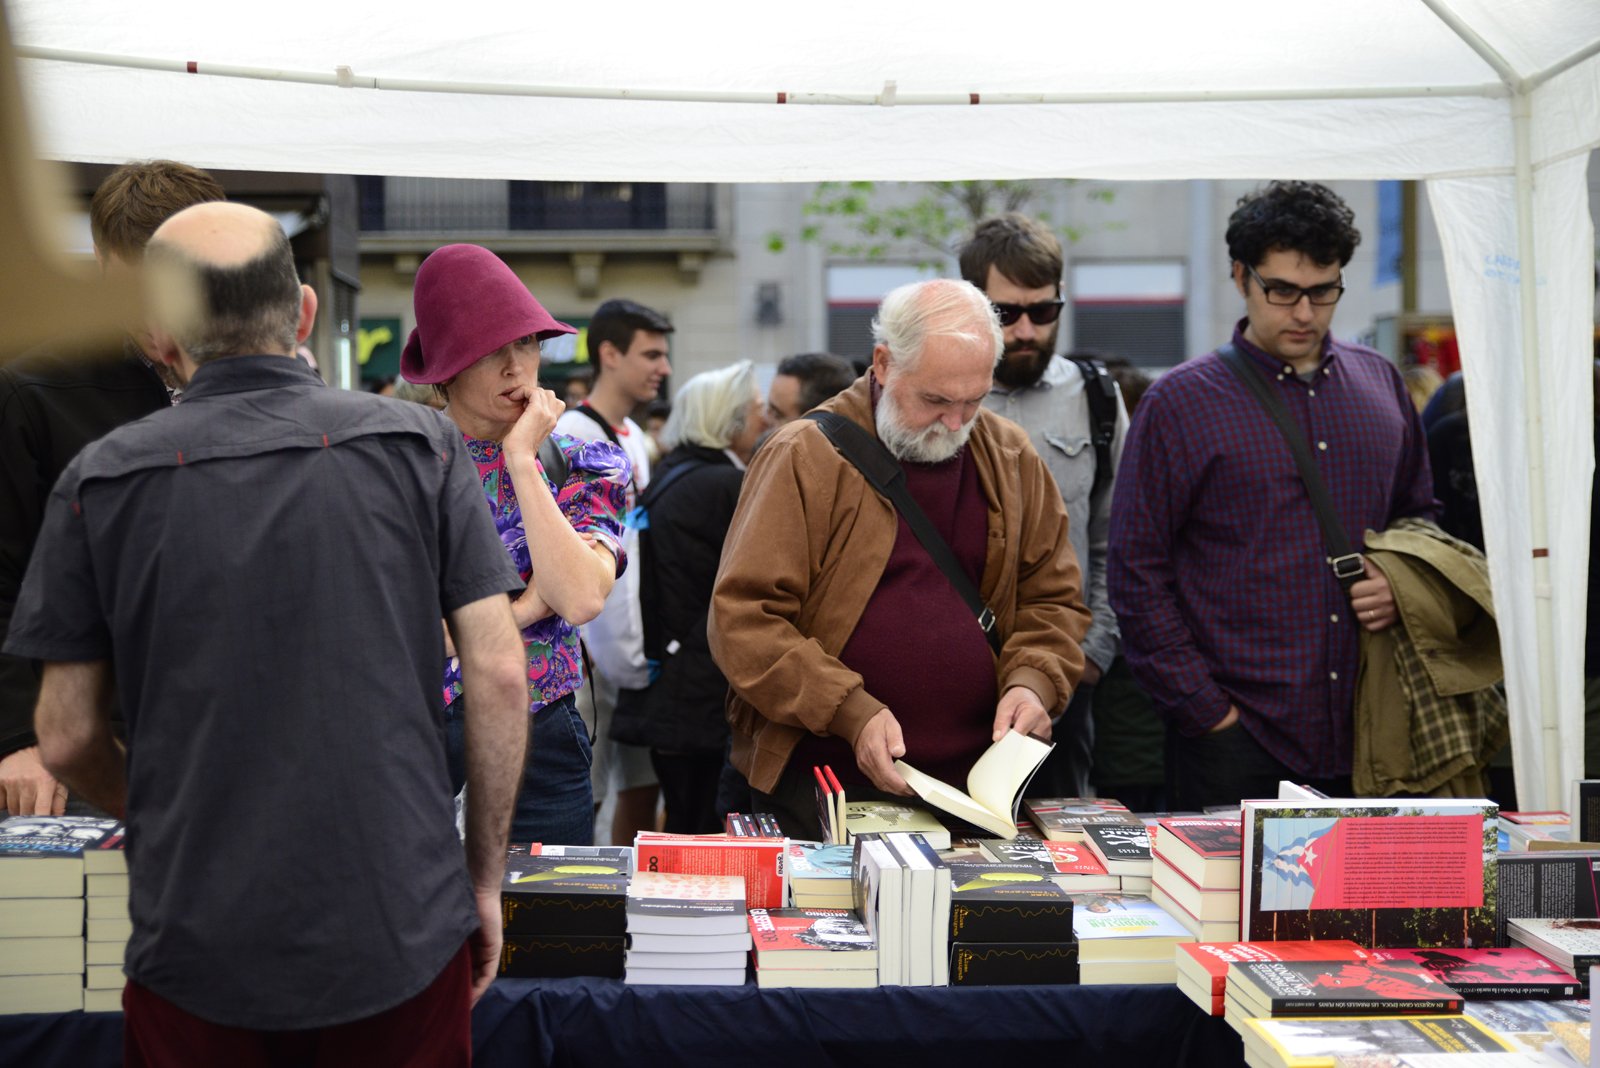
x=994, y=785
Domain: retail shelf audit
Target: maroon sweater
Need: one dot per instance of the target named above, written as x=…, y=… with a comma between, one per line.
x=918, y=647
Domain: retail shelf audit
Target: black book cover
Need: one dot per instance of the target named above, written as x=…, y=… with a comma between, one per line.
x=564, y=896
x=1013, y=963
x=563, y=956
x=1006, y=903
x=1549, y=885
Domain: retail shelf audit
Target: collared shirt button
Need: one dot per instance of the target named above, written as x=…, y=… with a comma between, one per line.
x=1323, y=445
x=1334, y=675
x=1311, y=392
x=1334, y=617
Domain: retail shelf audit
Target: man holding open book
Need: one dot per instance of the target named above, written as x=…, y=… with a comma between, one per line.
x=898, y=579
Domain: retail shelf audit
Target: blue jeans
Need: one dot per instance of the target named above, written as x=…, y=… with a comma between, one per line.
x=556, y=802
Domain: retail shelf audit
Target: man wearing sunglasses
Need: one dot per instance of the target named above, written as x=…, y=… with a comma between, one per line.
x=1018, y=262
x=1232, y=617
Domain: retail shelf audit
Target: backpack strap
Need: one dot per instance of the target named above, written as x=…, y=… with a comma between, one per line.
x=1100, y=389
x=884, y=473
x=605, y=424
x=554, y=462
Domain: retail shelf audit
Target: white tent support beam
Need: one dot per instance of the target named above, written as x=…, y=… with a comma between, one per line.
x=1474, y=40
x=344, y=77
x=1564, y=65
x=1532, y=386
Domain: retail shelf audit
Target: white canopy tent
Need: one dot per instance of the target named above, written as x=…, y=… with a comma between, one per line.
x=1495, y=103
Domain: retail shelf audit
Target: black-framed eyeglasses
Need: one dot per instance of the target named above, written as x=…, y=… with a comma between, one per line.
x=1043, y=313
x=1286, y=295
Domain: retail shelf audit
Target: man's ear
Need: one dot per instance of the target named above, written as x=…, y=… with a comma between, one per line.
x=1238, y=277
x=880, y=364
x=308, y=313
x=609, y=355
x=164, y=349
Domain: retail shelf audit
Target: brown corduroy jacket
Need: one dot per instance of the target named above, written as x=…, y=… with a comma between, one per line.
x=808, y=544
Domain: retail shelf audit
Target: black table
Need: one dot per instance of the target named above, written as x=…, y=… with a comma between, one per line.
x=578, y=1022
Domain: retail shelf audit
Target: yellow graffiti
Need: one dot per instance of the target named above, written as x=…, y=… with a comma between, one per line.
x=370, y=340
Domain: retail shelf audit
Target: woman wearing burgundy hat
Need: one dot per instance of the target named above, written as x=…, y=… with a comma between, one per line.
x=477, y=341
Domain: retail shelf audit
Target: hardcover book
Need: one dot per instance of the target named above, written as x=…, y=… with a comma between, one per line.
x=670, y=903
x=1489, y=974
x=1013, y=963
x=1339, y=988
x=811, y=939
x=44, y=856
x=760, y=862
x=557, y=895
x=1062, y=819
x=1313, y=1042
x=1124, y=927
x=881, y=817
x=1379, y=872
x=1123, y=850
x=562, y=956
x=994, y=785
x=1206, y=851
x=1006, y=903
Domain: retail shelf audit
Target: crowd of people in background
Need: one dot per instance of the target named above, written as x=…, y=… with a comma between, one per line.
x=896, y=554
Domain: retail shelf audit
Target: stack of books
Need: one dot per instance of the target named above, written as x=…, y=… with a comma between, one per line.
x=1197, y=875
x=902, y=891
x=819, y=876
x=1203, y=966
x=1489, y=974
x=1572, y=944
x=1318, y=1042
x=1125, y=938
x=760, y=862
x=1125, y=852
x=1519, y=830
x=1010, y=924
x=44, y=955
x=1068, y=864
x=884, y=817
x=1062, y=819
x=812, y=948
x=563, y=911
x=1259, y=989
x=752, y=825
x=705, y=917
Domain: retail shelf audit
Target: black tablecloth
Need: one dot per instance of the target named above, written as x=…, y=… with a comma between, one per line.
x=578, y=1022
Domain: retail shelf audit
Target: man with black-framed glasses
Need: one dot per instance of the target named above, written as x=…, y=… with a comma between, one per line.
x=1232, y=618
x=1074, y=415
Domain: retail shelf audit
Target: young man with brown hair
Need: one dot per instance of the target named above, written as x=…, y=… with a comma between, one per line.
x=52, y=404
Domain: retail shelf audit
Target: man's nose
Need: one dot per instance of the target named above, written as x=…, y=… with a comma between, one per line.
x=1023, y=329
x=952, y=421
x=1304, y=311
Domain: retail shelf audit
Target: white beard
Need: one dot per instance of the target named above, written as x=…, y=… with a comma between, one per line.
x=933, y=444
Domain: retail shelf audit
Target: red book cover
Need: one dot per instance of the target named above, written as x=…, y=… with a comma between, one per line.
x=1210, y=839
x=1491, y=974
x=1558, y=819
x=1213, y=958
x=829, y=939
x=825, y=807
x=1339, y=988
x=759, y=861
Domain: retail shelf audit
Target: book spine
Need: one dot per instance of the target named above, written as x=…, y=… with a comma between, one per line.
x=1489, y=991
x=1378, y=1007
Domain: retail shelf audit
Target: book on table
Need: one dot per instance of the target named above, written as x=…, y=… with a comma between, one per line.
x=553, y=894
x=1013, y=963
x=811, y=940
x=925, y=893
x=1574, y=944
x=994, y=785
x=671, y=903
x=1070, y=864
x=1205, y=964
x=48, y=917
x=1205, y=851
x=1126, y=928
x=562, y=956
x=1124, y=851
x=1556, y=885
x=1380, y=872
x=1300, y=1042
x=48, y=856
x=1368, y=987
x=819, y=875
x=882, y=817
x=1529, y=1024
x=759, y=862
x=1007, y=903
x=1062, y=819
x=41, y=993
x=1489, y=974
x=880, y=902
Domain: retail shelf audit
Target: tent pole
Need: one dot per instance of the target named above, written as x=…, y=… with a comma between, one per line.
x=1539, y=516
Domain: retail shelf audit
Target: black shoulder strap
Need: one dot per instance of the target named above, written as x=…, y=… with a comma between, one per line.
x=605, y=424
x=1101, y=390
x=884, y=473
x=658, y=486
x=554, y=461
x=1342, y=557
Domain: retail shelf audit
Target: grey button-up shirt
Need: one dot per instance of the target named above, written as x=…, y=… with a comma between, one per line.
x=1055, y=413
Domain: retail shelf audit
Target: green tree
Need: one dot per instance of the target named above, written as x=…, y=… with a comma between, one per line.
x=869, y=221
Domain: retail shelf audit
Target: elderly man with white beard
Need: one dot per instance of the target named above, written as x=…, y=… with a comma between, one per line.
x=843, y=641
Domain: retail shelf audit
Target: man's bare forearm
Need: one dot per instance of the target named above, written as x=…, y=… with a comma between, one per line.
x=76, y=744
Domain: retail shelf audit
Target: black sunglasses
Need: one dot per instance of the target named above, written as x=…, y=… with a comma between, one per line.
x=1043, y=313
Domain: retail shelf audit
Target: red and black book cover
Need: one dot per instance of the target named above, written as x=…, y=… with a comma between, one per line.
x=1341, y=988
x=827, y=939
x=1490, y=974
x=1213, y=958
x=556, y=895
x=1208, y=838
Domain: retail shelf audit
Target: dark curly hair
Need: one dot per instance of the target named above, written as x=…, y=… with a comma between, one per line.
x=1304, y=217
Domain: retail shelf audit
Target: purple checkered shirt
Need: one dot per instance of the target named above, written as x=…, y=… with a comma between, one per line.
x=1217, y=568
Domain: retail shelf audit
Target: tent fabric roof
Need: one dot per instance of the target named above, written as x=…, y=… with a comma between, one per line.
x=1110, y=68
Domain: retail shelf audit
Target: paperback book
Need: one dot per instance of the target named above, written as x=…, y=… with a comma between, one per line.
x=1123, y=850
x=1125, y=927
x=1369, y=987
x=1070, y=864
x=819, y=875
x=1491, y=974
x=1205, y=851
x=994, y=785
x=1574, y=944
x=1379, y=872
x=1298, y=1042
x=562, y=956
x=671, y=903
x=1207, y=963
x=759, y=862
x=882, y=817
x=47, y=856
x=811, y=940
x=1557, y=885
x=1007, y=903
x=1062, y=819
x=1013, y=963
x=557, y=895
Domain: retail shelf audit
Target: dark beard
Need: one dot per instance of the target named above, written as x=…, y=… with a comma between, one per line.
x=1019, y=370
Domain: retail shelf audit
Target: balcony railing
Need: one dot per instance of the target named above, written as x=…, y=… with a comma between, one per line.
x=440, y=205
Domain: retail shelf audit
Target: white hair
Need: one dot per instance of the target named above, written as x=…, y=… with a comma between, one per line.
x=711, y=408
x=940, y=307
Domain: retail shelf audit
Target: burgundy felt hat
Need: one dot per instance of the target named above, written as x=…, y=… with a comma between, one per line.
x=468, y=304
